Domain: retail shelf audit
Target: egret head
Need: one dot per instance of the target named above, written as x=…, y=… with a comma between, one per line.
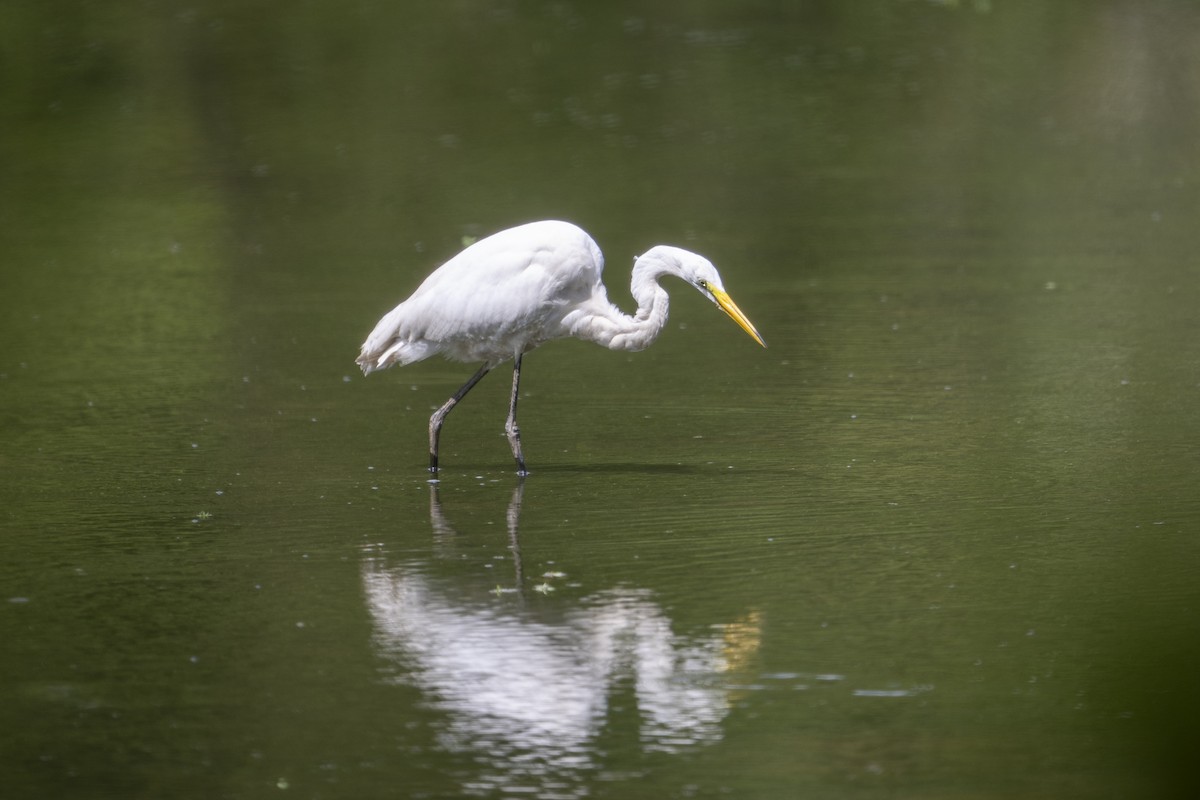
x=700, y=273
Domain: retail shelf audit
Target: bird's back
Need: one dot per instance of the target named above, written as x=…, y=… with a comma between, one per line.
x=501, y=296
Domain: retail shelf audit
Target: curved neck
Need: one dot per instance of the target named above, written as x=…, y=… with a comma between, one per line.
x=605, y=324
x=653, y=303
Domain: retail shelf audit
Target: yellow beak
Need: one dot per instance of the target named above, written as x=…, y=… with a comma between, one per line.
x=729, y=307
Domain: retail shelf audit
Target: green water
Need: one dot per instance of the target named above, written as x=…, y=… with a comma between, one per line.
x=938, y=541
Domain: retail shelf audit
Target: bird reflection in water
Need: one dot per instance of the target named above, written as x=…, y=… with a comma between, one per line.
x=528, y=698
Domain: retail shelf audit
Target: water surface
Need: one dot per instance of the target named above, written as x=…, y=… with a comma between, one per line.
x=938, y=540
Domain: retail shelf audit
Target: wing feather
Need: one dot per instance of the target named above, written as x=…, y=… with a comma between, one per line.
x=499, y=297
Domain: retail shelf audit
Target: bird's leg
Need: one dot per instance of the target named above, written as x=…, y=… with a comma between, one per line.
x=510, y=427
x=439, y=416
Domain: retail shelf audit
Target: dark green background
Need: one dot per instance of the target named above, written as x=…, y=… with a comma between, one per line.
x=942, y=533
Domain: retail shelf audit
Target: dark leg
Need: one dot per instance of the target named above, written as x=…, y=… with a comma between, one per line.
x=439, y=416
x=510, y=427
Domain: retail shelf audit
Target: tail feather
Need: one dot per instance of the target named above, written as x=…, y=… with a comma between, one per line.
x=394, y=351
x=386, y=345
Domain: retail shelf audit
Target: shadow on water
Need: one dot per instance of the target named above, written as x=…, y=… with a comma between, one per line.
x=629, y=468
x=529, y=690
x=579, y=468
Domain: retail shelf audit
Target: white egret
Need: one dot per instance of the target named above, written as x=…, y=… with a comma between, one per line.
x=510, y=292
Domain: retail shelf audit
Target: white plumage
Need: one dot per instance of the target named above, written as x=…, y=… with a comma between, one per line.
x=516, y=289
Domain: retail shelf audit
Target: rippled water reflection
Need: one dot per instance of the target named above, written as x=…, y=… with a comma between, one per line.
x=530, y=694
